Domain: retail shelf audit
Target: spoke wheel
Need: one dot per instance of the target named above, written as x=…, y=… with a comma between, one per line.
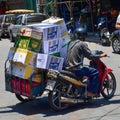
x=109, y=86
x=116, y=45
x=54, y=97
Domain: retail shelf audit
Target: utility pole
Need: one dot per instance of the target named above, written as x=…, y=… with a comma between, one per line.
x=37, y=4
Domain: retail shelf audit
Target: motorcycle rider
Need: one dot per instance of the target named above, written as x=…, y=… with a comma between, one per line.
x=117, y=25
x=77, y=50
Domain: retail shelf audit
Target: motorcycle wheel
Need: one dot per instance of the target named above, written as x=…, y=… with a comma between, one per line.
x=109, y=86
x=55, y=96
x=116, y=44
x=22, y=98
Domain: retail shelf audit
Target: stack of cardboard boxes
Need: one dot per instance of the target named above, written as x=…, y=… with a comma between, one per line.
x=39, y=47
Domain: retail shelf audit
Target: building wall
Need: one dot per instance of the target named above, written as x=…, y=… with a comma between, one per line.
x=31, y=4
x=22, y=4
x=16, y=4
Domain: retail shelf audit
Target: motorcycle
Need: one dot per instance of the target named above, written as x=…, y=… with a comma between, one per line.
x=103, y=32
x=66, y=88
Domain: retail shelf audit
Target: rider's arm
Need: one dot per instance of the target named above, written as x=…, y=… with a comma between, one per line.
x=88, y=53
x=117, y=25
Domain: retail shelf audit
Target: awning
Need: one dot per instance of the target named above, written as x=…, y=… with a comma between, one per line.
x=19, y=11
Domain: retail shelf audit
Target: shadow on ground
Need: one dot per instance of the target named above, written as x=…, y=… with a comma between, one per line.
x=41, y=106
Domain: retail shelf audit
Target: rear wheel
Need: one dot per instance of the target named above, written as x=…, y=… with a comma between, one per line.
x=109, y=86
x=23, y=98
x=116, y=44
x=54, y=97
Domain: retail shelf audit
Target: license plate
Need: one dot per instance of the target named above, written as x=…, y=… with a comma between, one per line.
x=50, y=85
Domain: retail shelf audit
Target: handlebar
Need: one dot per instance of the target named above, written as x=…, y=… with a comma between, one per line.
x=97, y=52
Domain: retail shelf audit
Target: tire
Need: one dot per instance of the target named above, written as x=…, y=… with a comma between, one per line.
x=22, y=98
x=54, y=97
x=109, y=86
x=116, y=44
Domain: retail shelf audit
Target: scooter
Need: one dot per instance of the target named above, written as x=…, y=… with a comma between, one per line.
x=66, y=88
x=103, y=32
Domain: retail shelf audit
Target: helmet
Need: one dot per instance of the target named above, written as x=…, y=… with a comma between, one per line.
x=80, y=33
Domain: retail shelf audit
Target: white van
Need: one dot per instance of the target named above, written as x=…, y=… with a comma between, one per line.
x=22, y=21
x=5, y=21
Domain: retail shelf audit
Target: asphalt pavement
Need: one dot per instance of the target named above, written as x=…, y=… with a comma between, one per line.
x=39, y=109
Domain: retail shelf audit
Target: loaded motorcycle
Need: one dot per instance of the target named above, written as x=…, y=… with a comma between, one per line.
x=66, y=88
x=63, y=87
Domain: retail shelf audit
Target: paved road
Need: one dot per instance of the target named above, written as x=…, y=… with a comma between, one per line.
x=100, y=109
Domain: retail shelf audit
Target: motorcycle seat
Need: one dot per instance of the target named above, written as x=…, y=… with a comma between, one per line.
x=71, y=74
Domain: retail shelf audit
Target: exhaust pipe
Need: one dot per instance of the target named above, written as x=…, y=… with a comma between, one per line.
x=71, y=100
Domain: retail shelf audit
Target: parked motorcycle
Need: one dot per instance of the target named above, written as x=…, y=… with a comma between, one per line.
x=103, y=32
x=66, y=88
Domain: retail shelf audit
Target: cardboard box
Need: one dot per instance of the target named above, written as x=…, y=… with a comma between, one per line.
x=57, y=21
x=51, y=46
x=50, y=31
x=28, y=43
x=65, y=42
x=20, y=70
x=11, y=53
x=25, y=57
x=45, y=61
x=31, y=33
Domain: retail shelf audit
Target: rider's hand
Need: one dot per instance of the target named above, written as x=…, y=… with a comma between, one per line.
x=103, y=54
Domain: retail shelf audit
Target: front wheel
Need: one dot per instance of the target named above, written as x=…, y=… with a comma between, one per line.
x=54, y=97
x=109, y=86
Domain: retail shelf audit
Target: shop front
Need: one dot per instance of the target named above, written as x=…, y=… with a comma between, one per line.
x=6, y=5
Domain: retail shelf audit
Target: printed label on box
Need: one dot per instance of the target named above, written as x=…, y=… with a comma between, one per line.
x=32, y=33
x=51, y=46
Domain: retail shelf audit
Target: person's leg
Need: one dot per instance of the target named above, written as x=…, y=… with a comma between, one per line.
x=93, y=75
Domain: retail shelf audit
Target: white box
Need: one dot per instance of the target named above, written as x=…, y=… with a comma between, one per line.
x=57, y=21
x=49, y=31
x=45, y=61
x=31, y=33
x=25, y=56
x=51, y=46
